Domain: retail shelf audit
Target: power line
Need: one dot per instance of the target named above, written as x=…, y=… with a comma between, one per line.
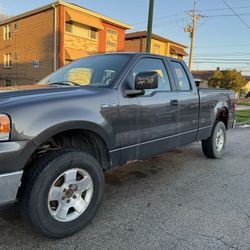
x=167, y=22
x=182, y=12
x=236, y=14
x=235, y=7
x=229, y=15
x=218, y=62
x=223, y=54
x=223, y=60
x=222, y=46
x=160, y=18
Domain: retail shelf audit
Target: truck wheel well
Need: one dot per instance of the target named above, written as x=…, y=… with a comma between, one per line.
x=82, y=140
x=223, y=117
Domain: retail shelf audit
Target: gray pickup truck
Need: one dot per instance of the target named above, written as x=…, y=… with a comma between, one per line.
x=57, y=138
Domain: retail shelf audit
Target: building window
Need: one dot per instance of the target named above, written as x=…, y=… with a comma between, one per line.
x=111, y=44
x=112, y=40
x=7, y=83
x=69, y=27
x=82, y=30
x=156, y=49
x=93, y=33
x=7, y=60
x=6, y=31
x=16, y=26
x=17, y=56
x=112, y=32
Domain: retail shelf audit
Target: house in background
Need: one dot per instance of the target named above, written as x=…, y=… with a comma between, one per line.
x=36, y=43
x=203, y=76
x=136, y=42
x=247, y=87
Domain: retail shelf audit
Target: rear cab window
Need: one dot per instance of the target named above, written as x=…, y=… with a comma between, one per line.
x=183, y=82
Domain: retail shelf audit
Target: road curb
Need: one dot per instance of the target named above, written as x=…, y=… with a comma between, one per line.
x=243, y=123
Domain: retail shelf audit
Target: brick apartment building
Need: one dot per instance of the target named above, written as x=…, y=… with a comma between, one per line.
x=37, y=42
x=136, y=42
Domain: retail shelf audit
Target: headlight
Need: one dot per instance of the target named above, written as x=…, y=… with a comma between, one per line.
x=4, y=127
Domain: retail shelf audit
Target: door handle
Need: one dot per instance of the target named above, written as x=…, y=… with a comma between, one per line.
x=174, y=103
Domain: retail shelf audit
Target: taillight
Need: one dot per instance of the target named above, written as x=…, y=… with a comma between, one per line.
x=4, y=127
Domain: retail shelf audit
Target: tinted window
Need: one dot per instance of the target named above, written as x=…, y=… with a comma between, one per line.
x=156, y=65
x=182, y=77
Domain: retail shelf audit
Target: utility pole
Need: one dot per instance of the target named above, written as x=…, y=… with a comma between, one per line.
x=150, y=24
x=191, y=28
x=192, y=34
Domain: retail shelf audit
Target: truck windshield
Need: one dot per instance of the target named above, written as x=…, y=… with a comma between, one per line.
x=97, y=71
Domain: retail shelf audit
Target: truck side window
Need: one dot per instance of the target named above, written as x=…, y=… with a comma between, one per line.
x=181, y=75
x=150, y=64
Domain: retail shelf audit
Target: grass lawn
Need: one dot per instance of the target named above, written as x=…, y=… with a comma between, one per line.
x=243, y=115
x=244, y=103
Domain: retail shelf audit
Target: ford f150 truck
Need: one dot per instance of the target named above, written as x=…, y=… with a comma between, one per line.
x=57, y=138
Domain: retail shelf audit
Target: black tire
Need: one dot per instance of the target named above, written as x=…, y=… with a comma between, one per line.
x=37, y=182
x=209, y=146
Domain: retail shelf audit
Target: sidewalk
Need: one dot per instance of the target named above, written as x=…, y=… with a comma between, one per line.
x=242, y=107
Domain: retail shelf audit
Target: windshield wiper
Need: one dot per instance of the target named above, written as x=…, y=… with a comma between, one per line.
x=64, y=83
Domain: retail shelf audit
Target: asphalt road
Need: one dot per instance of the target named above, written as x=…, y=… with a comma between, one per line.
x=180, y=200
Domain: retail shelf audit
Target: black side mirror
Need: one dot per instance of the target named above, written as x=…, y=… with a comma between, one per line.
x=146, y=80
x=197, y=83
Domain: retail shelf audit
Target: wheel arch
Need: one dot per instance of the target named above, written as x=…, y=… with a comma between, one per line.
x=223, y=116
x=73, y=125
x=94, y=136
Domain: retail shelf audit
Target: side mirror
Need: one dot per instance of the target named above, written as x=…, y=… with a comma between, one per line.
x=146, y=80
x=197, y=83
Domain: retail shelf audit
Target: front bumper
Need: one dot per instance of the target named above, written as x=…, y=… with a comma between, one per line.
x=13, y=157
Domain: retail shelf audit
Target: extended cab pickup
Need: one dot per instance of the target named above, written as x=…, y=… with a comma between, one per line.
x=58, y=137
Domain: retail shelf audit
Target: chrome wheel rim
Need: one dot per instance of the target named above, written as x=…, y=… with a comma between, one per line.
x=70, y=195
x=220, y=138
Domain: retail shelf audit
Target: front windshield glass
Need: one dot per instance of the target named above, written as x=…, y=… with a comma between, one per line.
x=98, y=71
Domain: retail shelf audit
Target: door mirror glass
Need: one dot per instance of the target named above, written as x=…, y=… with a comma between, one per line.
x=146, y=80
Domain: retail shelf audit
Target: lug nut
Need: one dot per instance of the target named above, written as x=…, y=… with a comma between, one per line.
x=74, y=197
x=68, y=201
x=63, y=198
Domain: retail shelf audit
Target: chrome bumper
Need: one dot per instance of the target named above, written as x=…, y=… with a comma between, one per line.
x=9, y=184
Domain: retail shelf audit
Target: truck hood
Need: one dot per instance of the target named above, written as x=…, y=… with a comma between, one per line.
x=31, y=91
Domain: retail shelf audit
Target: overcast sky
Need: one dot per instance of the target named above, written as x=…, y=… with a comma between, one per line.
x=222, y=39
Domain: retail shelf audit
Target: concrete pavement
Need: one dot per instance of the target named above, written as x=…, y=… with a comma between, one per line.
x=242, y=107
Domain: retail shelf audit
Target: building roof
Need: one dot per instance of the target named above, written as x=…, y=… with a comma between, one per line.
x=143, y=34
x=202, y=74
x=177, y=50
x=205, y=74
x=72, y=6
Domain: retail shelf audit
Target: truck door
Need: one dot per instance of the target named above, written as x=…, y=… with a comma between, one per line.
x=150, y=120
x=188, y=98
